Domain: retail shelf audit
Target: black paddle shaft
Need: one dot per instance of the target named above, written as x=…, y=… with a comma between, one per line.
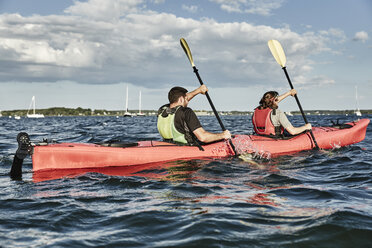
x=213, y=108
x=209, y=100
x=299, y=105
x=298, y=101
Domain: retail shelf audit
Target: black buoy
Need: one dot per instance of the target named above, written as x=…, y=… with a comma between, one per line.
x=24, y=149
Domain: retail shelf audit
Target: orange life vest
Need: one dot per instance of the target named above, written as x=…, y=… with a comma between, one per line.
x=262, y=123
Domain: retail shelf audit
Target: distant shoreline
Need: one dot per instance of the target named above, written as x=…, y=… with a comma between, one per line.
x=59, y=111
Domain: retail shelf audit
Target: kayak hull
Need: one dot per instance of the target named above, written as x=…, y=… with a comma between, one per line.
x=82, y=155
x=78, y=155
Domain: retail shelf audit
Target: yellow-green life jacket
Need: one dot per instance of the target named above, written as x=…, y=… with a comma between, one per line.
x=166, y=125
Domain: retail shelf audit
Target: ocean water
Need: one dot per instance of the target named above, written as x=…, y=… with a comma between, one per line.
x=310, y=199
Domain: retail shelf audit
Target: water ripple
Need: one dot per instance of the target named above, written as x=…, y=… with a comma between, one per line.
x=310, y=199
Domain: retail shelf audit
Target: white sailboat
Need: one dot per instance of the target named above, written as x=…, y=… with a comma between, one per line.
x=139, y=105
x=357, y=111
x=33, y=115
x=127, y=113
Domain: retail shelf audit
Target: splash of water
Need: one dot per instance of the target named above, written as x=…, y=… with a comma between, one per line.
x=247, y=149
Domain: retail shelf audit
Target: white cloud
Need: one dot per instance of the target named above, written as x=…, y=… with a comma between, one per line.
x=191, y=8
x=104, y=10
x=157, y=1
x=302, y=82
x=262, y=7
x=115, y=41
x=361, y=36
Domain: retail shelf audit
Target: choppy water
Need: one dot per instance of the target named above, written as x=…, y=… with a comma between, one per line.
x=311, y=199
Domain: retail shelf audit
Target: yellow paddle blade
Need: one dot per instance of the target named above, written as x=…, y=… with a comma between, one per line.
x=277, y=51
x=187, y=50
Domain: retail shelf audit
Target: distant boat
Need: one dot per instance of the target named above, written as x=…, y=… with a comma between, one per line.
x=127, y=113
x=289, y=113
x=357, y=111
x=139, y=106
x=33, y=115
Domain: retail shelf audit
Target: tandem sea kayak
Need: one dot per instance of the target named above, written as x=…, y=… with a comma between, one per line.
x=52, y=156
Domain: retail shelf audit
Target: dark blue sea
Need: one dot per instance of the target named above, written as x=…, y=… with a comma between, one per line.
x=310, y=199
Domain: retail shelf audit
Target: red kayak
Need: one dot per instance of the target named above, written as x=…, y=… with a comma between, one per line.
x=47, y=156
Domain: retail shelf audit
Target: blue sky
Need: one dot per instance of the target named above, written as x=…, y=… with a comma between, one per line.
x=84, y=53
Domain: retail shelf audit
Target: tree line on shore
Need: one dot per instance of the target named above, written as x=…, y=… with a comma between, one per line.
x=60, y=111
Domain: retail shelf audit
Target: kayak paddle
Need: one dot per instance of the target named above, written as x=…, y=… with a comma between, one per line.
x=278, y=53
x=189, y=56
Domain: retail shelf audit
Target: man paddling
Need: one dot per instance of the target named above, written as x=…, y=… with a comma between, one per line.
x=178, y=123
x=267, y=119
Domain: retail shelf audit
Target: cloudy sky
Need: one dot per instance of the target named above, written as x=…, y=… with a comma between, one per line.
x=84, y=53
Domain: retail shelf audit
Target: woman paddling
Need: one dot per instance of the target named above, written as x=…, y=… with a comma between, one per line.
x=269, y=120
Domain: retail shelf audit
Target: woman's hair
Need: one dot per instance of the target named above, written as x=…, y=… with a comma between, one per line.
x=267, y=101
x=175, y=93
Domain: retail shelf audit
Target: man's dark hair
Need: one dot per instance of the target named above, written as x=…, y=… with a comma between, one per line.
x=175, y=93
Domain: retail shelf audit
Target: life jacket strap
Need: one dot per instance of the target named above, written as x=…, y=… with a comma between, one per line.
x=278, y=131
x=197, y=144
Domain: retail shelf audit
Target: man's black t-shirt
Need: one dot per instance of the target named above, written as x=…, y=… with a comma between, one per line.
x=188, y=116
x=182, y=116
